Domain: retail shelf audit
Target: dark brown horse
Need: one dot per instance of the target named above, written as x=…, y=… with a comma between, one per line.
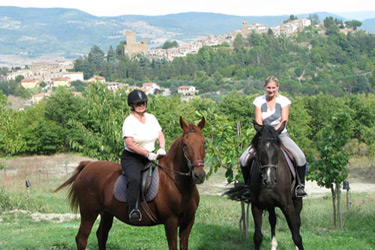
x=271, y=185
x=92, y=191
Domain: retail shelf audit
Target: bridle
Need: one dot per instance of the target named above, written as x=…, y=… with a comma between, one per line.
x=196, y=163
x=271, y=139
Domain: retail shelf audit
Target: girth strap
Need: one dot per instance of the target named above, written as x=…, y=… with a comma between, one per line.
x=149, y=213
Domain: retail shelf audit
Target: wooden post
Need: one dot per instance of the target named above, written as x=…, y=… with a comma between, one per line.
x=28, y=185
x=346, y=187
x=339, y=212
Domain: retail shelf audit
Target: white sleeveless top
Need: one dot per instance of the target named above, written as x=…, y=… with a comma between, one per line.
x=272, y=117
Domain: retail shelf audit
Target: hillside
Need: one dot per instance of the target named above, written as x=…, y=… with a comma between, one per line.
x=33, y=33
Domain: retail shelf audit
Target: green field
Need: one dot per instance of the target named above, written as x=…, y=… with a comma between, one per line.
x=216, y=226
x=24, y=222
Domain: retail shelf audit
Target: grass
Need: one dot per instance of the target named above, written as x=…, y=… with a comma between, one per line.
x=216, y=227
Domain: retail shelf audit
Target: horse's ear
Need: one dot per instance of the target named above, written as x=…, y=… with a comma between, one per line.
x=257, y=126
x=281, y=128
x=202, y=123
x=183, y=124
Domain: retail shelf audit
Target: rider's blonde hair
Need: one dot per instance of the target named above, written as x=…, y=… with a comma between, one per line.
x=271, y=79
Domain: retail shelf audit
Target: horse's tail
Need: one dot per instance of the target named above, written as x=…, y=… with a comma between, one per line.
x=236, y=192
x=72, y=194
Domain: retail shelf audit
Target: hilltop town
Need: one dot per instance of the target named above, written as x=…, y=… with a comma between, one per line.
x=133, y=47
x=59, y=72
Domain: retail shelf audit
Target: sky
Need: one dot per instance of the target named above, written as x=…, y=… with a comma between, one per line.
x=231, y=7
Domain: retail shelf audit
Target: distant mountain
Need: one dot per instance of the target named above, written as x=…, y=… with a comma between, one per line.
x=360, y=16
x=33, y=33
x=369, y=25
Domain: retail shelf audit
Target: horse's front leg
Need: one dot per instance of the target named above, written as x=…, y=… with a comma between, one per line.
x=272, y=220
x=185, y=229
x=170, y=227
x=257, y=216
x=294, y=221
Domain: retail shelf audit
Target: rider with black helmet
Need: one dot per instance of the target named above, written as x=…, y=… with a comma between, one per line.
x=139, y=131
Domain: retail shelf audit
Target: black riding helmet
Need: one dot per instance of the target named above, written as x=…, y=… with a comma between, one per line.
x=137, y=96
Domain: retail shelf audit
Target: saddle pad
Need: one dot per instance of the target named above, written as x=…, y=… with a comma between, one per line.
x=121, y=183
x=290, y=163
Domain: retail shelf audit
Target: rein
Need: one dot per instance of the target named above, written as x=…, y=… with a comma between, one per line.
x=175, y=171
x=197, y=163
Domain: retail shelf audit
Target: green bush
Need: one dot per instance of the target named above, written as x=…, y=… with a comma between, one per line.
x=21, y=201
x=5, y=201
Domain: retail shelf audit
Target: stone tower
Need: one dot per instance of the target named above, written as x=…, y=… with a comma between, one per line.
x=132, y=47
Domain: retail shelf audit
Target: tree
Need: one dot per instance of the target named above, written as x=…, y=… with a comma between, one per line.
x=111, y=55
x=82, y=64
x=331, y=26
x=79, y=85
x=225, y=142
x=314, y=19
x=10, y=141
x=63, y=108
x=353, y=24
x=316, y=107
x=291, y=18
x=39, y=135
x=3, y=119
x=98, y=135
x=238, y=42
x=96, y=58
x=330, y=169
x=169, y=45
x=298, y=126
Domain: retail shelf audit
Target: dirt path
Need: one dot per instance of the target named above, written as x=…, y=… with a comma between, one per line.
x=58, y=167
x=40, y=169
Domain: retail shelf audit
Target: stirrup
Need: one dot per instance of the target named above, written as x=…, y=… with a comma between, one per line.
x=135, y=215
x=300, y=191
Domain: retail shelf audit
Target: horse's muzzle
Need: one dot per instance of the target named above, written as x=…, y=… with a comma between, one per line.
x=268, y=177
x=198, y=175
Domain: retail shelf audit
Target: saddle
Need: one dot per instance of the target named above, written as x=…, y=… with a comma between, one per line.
x=149, y=184
x=289, y=158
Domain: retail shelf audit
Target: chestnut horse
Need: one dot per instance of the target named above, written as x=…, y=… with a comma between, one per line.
x=271, y=185
x=175, y=204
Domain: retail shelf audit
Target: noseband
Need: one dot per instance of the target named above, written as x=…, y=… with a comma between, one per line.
x=268, y=166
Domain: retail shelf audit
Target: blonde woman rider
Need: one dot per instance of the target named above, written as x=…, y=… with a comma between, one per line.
x=273, y=109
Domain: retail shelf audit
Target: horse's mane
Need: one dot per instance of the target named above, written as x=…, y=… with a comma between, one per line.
x=176, y=143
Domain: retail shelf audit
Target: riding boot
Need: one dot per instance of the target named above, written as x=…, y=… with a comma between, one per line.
x=134, y=214
x=300, y=189
x=246, y=177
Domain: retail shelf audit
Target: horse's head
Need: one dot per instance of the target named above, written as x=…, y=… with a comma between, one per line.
x=193, y=143
x=268, y=148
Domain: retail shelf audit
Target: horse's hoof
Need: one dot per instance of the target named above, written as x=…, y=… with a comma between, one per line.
x=135, y=215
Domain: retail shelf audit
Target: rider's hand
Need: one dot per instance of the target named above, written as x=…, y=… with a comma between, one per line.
x=161, y=151
x=152, y=156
